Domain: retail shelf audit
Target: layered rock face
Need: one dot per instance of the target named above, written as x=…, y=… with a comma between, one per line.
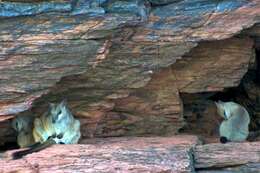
x=130, y=68
x=121, y=64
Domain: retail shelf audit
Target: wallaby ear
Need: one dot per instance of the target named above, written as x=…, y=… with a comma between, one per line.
x=51, y=106
x=220, y=102
x=15, y=124
x=64, y=103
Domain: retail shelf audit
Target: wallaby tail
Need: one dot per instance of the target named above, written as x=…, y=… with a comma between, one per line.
x=34, y=148
x=253, y=135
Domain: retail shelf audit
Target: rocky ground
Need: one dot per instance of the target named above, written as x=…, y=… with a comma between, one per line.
x=177, y=154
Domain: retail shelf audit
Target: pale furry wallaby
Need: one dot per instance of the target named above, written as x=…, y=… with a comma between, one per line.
x=60, y=122
x=234, y=127
x=55, y=126
x=23, y=125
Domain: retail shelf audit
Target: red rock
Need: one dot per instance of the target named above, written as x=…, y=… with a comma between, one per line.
x=133, y=155
x=226, y=155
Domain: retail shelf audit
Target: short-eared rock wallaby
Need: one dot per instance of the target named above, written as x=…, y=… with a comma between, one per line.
x=56, y=126
x=234, y=127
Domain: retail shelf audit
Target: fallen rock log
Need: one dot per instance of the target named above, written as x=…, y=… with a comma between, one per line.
x=226, y=155
x=132, y=155
x=177, y=154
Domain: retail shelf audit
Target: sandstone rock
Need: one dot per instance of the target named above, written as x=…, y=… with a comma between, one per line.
x=92, y=7
x=207, y=67
x=135, y=155
x=134, y=65
x=247, y=168
x=137, y=7
x=176, y=154
x=162, y=2
x=12, y=9
x=226, y=155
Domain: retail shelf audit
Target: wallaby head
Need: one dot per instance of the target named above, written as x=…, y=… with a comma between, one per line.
x=57, y=125
x=65, y=127
x=235, y=126
x=21, y=123
x=59, y=111
x=16, y=125
x=223, y=110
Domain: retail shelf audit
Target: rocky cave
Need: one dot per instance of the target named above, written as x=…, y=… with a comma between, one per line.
x=140, y=75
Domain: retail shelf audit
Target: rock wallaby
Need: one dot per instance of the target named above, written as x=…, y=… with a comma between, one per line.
x=23, y=125
x=234, y=127
x=56, y=126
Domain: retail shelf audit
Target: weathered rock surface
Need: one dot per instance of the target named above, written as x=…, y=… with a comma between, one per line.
x=207, y=67
x=226, y=155
x=12, y=9
x=123, y=67
x=162, y=2
x=133, y=155
x=247, y=168
x=176, y=154
x=122, y=70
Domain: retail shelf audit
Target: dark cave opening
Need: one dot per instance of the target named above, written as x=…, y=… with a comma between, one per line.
x=200, y=111
x=257, y=78
x=8, y=146
x=7, y=136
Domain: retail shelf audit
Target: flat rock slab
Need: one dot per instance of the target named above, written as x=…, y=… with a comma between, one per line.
x=153, y=154
x=248, y=168
x=226, y=155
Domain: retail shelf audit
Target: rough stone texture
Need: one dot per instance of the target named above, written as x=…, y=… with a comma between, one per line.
x=162, y=2
x=226, y=155
x=247, y=168
x=120, y=70
x=11, y=9
x=123, y=67
x=178, y=154
x=133, y=155
x=207, y=67
x=254, y=32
